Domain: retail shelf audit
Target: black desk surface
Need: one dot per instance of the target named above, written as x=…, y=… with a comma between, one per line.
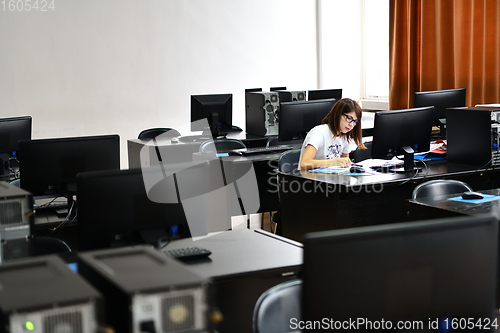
x=434, y=169
x=243, y=252
x=243, y=264
x=462, y=207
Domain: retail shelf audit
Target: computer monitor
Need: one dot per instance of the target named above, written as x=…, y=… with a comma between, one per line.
x=324, y=94
x=441, y=100
x=402, y=132
x=217, y=109
x=49, y=167
x=12, y=130
x=429, y=272
x=296, y=119
x=114, y=210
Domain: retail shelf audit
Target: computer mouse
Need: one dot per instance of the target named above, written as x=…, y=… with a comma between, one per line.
x=469, y=195
x=357, y=169
x=235, y=153
x=175, y=140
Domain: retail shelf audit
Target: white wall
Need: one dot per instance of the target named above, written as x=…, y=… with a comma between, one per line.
x=119, y=66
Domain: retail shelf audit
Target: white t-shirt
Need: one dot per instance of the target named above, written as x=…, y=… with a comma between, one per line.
x=327, y=146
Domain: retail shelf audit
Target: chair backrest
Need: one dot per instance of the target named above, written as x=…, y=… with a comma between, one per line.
x=289, y=160
x=439, y=187
x=43, y=245
x=359, y=155
x=272, y=141
x=151, y=133
x=221, y=145
x=276, y=306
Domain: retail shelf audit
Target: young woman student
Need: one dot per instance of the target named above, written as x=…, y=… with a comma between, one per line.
x=328, y=144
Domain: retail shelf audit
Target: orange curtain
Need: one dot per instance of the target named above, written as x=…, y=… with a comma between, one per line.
x=444, y=44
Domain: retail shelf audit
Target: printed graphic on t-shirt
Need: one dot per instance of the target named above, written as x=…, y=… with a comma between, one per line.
x=334, y=151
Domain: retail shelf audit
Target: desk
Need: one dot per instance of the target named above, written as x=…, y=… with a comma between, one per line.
x=315, y=202
x=243, y=264
x=430, y=207
x=182, y=150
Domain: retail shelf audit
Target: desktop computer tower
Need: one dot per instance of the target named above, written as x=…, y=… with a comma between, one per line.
x=473, y=135
x=262, y=113
x=291, y=96
x=16, y=222
x=147, y=291
x=44, y=295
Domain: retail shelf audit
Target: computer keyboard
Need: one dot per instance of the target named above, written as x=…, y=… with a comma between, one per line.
x=265, y=150
x=194, y=138
x=189, y=253
x=385, y=168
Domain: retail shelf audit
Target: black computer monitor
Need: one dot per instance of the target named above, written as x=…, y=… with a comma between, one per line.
x=114, y=210
x=217, y=109
x=427, y=271
x=441, y=100
x=402, y=132
x=296, y=119
x=13, y=130
x=49, y=167
x=324, y=94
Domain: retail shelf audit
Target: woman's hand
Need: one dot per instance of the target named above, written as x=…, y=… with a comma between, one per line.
x=342, y=162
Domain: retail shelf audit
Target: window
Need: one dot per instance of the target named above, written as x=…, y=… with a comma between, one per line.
x=375, y=49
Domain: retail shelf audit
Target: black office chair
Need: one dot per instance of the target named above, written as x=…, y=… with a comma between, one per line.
x=221, y=145
x=439, y=187
x=359, y=155
x=288, y=161
x=151, y=133
x=43, y=245
x=276, y=306
x=272, y=141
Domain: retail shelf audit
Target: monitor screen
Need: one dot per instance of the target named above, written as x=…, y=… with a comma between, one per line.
x=296, y=119
x=430, y=272
x=13, y=130
x=50, y=166
x=217, y=109
x=402, y=132
x=324, y=94
x=441, y=100
x=114, y=210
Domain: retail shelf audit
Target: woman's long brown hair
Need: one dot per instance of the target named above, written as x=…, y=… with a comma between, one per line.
x=343, y=106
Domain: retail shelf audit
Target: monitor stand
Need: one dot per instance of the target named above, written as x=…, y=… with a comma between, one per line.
x=408, y=161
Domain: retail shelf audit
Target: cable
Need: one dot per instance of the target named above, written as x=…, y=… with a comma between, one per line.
x=66, y=219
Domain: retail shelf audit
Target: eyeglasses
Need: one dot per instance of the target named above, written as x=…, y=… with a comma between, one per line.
x=350, y=119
